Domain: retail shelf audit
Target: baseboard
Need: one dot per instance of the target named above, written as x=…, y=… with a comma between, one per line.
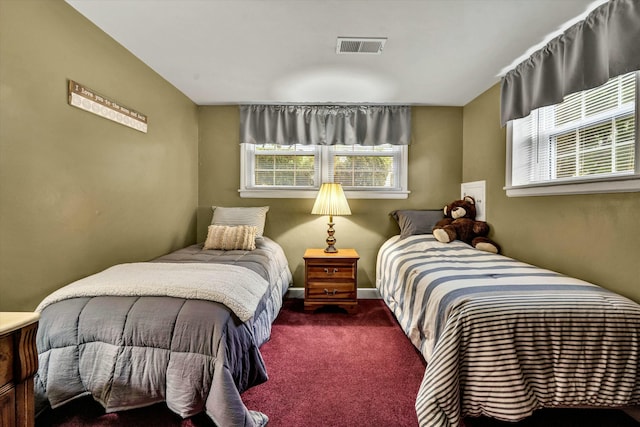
x=363, y=293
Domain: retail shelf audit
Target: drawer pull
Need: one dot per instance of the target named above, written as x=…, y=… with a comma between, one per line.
x=326, y=270
x=326, y=291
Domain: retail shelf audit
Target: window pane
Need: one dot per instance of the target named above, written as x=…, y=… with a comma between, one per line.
x=284, y=170
x=566, y=167
x=264, y=178
x=596, y=136
x=625, y=129
x=343, y=170
x=364, y=171
x=285, y=162
x=284, y=178
x=566, y=144
x=363, y=163
x=306, y=163
x=624, y=158
x=566, y=153
x=344, y=163
x=304, y=179
x=363, y=179
x=264, y=162
x=594, y=148
x=625, y=144
x=595, y=162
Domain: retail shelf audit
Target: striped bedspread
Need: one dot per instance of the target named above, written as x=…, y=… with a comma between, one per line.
x=502, y=338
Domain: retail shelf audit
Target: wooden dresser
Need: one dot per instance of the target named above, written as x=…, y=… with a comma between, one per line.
x=331, y=279
x=18, y=364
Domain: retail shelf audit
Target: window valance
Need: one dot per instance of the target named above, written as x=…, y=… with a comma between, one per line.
x=325, y=125
x=604, y=45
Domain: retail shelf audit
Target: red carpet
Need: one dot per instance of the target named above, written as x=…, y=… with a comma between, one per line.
x=331, y=369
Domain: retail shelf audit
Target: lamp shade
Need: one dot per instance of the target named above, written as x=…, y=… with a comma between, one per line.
x=331, y=201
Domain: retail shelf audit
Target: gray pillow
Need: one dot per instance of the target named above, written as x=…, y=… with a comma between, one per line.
x=240, y=216
x=416, y=221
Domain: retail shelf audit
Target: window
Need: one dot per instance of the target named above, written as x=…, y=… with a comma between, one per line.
x=588, y=143
x=372, y=172
x=284, y=166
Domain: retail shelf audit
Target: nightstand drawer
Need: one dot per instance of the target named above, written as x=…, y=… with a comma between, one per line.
x=331, y=291
x=333, y=271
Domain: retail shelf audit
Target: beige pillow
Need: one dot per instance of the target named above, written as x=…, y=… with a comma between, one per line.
x=231, y=237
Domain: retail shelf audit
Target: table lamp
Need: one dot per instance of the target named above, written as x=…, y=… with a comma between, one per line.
x=331, y=201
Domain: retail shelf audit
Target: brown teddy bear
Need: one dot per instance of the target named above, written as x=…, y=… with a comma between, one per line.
x=460, y=223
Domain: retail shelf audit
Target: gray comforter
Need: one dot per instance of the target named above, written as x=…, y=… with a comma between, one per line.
x=134, y=351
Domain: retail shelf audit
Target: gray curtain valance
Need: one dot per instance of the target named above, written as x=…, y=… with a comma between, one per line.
x=325, y=125
x=604, y=45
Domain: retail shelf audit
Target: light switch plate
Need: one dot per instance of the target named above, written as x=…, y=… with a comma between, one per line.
x=476, y=189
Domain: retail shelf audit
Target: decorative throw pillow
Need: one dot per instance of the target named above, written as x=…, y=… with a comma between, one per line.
x=241, y=216
x=231, y=237
x=416, y=221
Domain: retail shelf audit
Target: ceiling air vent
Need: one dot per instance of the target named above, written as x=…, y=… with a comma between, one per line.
x=360, y=45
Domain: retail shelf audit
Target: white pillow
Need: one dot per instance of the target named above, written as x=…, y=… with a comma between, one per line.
x=231, y=237
x=241, y=216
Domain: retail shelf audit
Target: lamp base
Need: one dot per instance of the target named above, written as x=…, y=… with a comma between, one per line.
x=331, y=241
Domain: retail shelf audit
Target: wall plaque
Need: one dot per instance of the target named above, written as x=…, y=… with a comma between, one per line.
x=87, y=99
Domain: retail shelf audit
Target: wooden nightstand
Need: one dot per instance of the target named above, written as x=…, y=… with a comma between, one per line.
x=18, y=364
x=331, y=279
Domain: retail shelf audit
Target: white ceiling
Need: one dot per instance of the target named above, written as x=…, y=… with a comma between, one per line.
x=438, y=52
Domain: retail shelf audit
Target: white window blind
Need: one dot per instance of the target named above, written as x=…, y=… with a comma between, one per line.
x=589, y=136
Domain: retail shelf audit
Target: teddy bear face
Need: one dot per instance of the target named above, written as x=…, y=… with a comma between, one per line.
x=465, y=208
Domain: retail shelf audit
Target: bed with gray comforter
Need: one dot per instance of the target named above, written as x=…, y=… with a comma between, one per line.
x=184, y=329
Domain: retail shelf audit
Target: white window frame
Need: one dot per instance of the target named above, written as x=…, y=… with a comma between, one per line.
x=579, y=185
x=323, y=174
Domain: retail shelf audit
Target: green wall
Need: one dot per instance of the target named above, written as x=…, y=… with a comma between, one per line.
x=79, y=193
x=595, y=237
x=435, y=159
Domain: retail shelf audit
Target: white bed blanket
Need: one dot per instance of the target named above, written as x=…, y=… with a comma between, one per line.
x=238, y=288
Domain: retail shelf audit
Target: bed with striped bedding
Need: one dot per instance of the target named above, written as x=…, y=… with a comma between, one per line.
x=503, y=338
